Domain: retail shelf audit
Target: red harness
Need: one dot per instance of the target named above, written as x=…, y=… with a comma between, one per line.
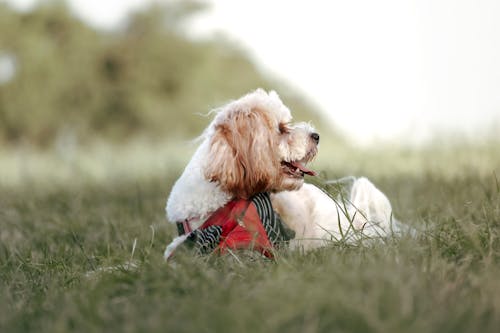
x=241, y=228
x=240, y=224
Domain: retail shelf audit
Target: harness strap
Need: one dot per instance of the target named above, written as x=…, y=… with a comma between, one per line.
x=184, y=227
x=240, y=224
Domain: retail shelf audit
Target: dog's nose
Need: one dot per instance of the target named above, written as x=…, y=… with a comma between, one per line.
x=315, y=137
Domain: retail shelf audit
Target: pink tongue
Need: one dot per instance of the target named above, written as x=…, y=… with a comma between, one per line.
x=303, y=168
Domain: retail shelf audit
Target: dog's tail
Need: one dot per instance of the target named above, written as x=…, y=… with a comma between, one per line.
x=173, y=245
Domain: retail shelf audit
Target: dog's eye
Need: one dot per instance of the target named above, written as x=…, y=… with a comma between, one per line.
x=284, y=129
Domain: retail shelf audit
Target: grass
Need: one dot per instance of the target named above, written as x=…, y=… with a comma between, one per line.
x=58, y=235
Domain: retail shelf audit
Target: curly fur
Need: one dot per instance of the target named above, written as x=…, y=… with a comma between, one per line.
x=251, y=146
x=241, y=154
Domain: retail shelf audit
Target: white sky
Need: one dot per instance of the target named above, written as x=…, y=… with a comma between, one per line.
x=397, y=70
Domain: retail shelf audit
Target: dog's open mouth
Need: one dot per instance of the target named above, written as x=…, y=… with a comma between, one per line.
x=296, y=169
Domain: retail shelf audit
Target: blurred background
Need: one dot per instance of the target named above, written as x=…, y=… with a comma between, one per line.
x=100, y=101
x=102, y=86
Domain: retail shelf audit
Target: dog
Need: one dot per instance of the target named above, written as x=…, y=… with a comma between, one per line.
x=252, y=147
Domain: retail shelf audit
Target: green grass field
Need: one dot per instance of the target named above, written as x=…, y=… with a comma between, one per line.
x=81, y=243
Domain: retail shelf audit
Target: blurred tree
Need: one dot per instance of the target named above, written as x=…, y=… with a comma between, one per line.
x=148, y=79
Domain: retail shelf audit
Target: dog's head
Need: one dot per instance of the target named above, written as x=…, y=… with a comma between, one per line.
x=254, y=147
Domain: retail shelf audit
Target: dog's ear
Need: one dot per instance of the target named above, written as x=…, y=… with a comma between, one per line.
x=222, y=165
x=242, y=156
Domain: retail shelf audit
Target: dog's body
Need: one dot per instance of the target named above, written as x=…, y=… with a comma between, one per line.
x=251, y=147
x=318, y=219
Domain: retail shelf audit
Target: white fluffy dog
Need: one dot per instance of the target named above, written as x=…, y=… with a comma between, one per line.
x=250, y=147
